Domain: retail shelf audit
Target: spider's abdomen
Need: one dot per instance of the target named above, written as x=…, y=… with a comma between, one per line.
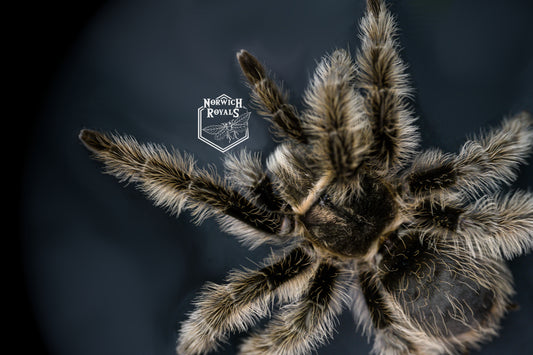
x=442, y=293
x=350, y=228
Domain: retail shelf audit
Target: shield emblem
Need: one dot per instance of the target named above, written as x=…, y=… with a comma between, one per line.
x=223, y=122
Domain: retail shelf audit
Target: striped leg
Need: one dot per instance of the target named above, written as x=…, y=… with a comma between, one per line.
x=383, y=82
x=338, y=135
x=495, y=226
x=246, y=171
x=483, y=164
x=232, y=307
x=272, y=102
x=172, y=181
x=301, y=327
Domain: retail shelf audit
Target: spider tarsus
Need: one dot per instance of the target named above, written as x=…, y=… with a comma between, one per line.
x=94, y=140
x=374, y=6
x=251, y=67
x=271, y=100
x=512, y=307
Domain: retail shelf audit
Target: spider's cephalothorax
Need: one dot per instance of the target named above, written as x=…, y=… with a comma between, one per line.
x=352, y=227
x=413, y=242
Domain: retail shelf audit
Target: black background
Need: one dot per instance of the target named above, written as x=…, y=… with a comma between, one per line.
x=102, y=270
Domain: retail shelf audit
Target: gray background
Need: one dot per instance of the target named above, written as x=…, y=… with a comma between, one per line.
x=105, y=271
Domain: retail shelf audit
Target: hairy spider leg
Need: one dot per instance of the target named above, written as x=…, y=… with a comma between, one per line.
x=379, y=312
x=482, y=165
x=246, y=297
x=271, y=101
x=300, y=327
x=173, y=181
x=372, y=309
x=338, y=135
x=499, y=226
x=496, y=225
x=383, y=82
x=245, y=170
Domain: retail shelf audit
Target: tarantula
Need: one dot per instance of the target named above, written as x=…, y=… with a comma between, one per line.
x=413, y=242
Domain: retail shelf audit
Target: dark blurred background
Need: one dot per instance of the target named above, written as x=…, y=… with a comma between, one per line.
x=102, y=271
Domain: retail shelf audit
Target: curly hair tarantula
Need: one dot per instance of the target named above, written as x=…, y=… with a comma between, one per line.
x=413, y=242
